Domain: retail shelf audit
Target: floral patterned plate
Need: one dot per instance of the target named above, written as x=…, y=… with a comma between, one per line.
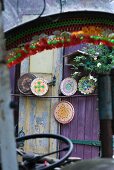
x=39, y=87
x=64, y=112
x=68, y=86
x=86, y=85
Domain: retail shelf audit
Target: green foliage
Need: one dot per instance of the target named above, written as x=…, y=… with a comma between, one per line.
x=99, y=59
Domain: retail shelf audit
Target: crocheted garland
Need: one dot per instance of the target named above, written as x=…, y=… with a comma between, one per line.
x=59, y=39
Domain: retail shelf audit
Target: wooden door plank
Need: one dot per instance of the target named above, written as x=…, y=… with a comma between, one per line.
x=96, y=127
x=71, y=131
x=74, y=122
x=57, y=70
x=88, y=126
x=34, y=118
x=81, y=125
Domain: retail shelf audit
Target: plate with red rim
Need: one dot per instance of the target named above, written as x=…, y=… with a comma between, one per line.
x=39, y=86
x=68, y=86
x=64, y=112
x=24, y=83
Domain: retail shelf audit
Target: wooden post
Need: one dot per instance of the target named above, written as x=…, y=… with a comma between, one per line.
x=105, y=114
x=7, y=140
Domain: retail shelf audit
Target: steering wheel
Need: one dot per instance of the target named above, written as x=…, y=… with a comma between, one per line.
x=35, y=159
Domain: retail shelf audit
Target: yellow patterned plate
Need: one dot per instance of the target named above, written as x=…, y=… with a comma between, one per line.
x=39, y=87
x=64, y=112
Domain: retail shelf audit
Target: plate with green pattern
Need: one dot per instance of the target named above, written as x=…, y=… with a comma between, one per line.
x=86, y=85
x=39, y=87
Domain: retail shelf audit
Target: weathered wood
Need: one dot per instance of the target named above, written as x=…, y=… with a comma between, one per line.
x=7, y=141
x=57, y=71
x=42, y=62
x=36, y=114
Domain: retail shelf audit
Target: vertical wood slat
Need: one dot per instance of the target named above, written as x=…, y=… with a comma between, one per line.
x=89, y=122
x=95, y=127
x=71, y=131
x=81, y=124
x=57, y=72
x=88, y=126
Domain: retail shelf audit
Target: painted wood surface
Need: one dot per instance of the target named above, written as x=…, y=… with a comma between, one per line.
x=85, y=124
x=35, y=113
x=42, y=62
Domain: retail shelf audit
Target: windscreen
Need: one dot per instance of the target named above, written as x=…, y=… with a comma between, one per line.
x=17, y=12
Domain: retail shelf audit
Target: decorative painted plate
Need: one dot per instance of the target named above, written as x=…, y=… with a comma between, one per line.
x=64, y=112
x=68, y=86
x=24, y=83
x=39, y=86
x=86, y=85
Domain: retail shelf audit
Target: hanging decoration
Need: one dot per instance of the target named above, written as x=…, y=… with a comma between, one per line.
x=24, y=83
x=64, y=112
x=39, y=87
x=87, y=84
x=68, y=86
x=89, y=34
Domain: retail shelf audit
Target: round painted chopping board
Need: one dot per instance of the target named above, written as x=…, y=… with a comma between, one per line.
x=68, y=86
x=86, y=85
x=39, y=87
x=24, y=83
x=64, y=112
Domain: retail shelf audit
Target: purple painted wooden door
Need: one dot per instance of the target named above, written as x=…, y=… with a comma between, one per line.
x=85, y=125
